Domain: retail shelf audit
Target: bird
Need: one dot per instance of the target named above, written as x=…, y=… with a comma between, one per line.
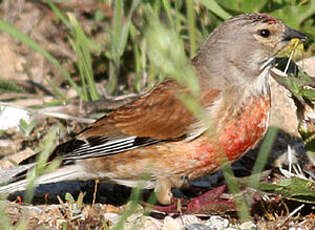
x=156, y=135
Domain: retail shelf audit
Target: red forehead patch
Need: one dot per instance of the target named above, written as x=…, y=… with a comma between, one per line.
x=263, y=18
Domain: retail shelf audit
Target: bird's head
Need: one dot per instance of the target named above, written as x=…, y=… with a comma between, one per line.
x=239, y=48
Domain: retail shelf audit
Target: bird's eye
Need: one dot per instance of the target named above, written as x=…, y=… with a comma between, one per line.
x=264, y=33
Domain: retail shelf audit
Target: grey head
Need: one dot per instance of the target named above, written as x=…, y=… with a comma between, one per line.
x=236, y=50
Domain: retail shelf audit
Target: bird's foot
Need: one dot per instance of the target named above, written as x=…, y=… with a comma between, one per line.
x=177, y=206
x=208, y=202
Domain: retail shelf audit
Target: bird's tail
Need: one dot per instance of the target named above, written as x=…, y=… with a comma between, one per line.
x=9, y=175
x=66, y=173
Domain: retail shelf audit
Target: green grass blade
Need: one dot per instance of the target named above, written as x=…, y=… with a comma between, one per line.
x=81, y=71
x=215, y=8
x=59, y=14
x=84, y=59
x=41, y=168
x=114, y=66
x=263, y=155
x=126, y=28
x=241, y=205
x=119, y=40
x=118, y=18
x=191, y=27
x=10, y=86
x=166, y=52
x=5, y=222
x=167, y=7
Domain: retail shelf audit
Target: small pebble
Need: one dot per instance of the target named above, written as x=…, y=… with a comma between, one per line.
x=143, y=223
x=247, y=226
x=10, y=117
x=172, y=224
x=198, y=227
x=189, y=219
x=113, y=218
x=217, y=222
x=150, y=223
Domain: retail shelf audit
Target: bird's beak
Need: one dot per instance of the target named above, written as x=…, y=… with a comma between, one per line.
x=290, y=33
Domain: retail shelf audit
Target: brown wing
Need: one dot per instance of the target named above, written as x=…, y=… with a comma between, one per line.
x=158, y=116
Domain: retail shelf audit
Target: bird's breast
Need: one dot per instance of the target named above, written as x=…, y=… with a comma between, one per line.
x=236, y=132
x=243, y=130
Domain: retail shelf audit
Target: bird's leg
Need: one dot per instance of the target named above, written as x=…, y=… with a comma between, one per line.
x=177, y=206
x=163, y=191
x=165, y=197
